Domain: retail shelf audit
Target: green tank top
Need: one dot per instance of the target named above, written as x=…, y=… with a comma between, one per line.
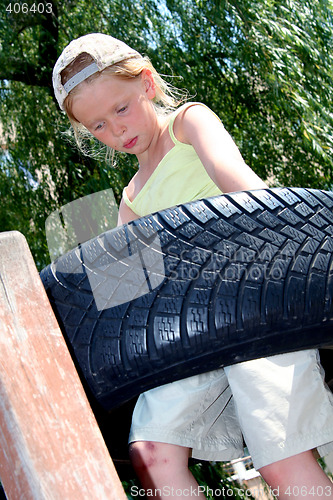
x=180, y=177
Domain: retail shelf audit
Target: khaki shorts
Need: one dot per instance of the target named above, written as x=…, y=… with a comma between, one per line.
x=279, y=404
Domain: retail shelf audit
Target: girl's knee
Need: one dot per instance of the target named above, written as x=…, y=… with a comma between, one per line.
x=301, y=470
x=146, y=455
x=272, y=473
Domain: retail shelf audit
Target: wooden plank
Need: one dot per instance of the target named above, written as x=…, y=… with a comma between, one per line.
x=50, y=444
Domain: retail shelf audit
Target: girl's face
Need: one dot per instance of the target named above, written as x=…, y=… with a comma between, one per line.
x=118, y=112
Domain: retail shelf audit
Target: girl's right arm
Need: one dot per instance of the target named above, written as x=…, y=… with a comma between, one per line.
x=125, y=214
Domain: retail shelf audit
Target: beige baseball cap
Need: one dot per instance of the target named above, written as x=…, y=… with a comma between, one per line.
x=104, y=49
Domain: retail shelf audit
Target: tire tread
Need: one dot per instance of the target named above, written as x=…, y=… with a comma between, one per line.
x=247, y=275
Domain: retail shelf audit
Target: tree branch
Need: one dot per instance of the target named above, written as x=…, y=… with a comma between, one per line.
x=17, y=67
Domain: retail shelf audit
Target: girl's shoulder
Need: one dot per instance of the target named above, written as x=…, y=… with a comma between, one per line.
x=183, y=110
x=190, y=104
x=191, y=115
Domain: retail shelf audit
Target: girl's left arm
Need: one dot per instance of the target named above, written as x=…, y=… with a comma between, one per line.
x=199, y=126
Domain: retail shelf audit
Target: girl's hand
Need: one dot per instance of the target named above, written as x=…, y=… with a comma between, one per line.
x=199, y=126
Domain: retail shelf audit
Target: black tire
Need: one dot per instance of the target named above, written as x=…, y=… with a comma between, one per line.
x=247, y=275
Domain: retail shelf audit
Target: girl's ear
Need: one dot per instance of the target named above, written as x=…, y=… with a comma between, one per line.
x=149, y=83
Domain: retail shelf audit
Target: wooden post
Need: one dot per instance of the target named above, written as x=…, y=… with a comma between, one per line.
x=50, y=444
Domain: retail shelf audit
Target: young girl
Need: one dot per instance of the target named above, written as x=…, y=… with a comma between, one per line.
x=279, y=404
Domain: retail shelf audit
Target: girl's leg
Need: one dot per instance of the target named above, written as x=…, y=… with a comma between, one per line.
x=299, y=476
x=163, y=469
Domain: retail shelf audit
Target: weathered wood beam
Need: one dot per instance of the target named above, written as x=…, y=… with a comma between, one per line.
x=50, y=444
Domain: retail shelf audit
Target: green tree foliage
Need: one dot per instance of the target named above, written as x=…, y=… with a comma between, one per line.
x=265, y=67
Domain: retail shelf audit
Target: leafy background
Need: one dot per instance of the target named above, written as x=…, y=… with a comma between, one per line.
x=264, y=66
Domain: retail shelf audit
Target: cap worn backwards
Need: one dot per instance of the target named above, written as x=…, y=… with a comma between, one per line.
x=104, y=49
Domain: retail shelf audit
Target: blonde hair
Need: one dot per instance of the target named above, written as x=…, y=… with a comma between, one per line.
x=166, y=100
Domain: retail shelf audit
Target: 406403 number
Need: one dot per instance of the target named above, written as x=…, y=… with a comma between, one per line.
x=25, y=8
